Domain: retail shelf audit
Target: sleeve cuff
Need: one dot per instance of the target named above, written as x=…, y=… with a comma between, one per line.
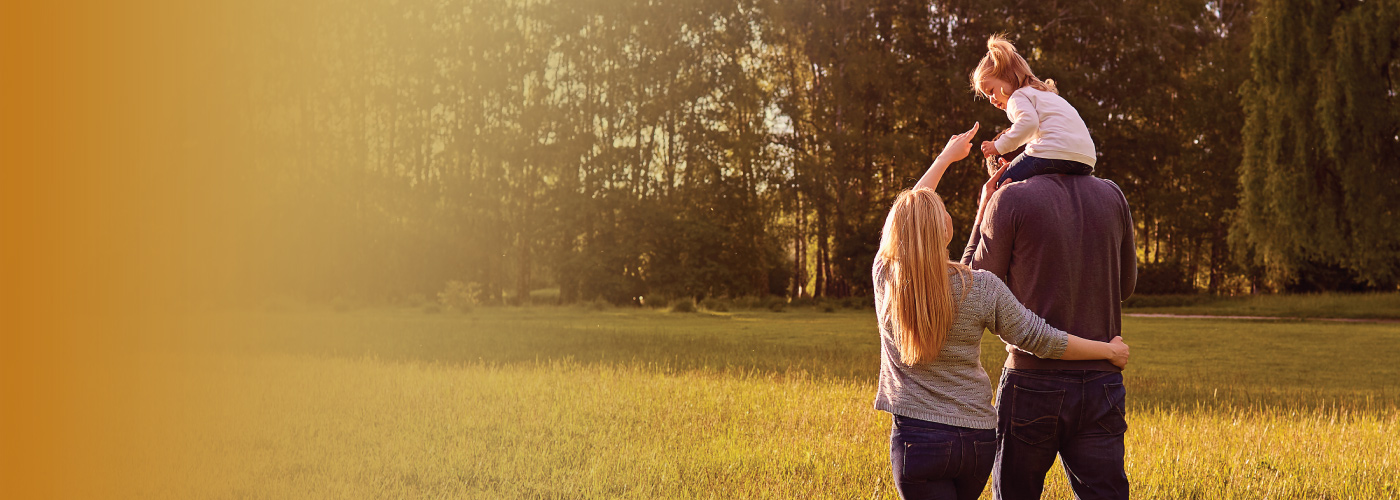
x=1058, y=345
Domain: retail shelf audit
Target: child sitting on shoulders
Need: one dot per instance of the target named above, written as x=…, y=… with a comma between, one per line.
x=1055, y=137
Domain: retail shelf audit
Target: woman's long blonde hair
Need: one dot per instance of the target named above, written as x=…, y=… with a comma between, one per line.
x=918, y=295
x=1004, y=63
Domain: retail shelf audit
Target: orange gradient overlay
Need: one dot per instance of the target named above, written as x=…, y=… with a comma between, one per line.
x=118, y=208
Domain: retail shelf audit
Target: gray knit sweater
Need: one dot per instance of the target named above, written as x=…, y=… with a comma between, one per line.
x=954, y=389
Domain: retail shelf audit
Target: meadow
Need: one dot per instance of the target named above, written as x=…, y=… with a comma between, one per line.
x=1375, y=305
x=568, y=402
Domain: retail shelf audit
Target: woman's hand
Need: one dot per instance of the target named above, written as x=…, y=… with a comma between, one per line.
x=959, y=145
x=957, y=149
x=1120, y=352
x=1080, y=349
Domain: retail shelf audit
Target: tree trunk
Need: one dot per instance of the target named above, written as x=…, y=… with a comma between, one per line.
x=823, y=256
x=799, y=248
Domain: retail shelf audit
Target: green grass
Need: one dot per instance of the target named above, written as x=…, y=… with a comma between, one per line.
x=567, y=403
x=1319, y=305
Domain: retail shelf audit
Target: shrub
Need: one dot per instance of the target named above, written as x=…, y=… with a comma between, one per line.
x=776, y=304
x=545, y=296
x=715, y=305
x=415, y=299
x=747, y=302
x=1163, y=278
x=432, y=309
x=1168, y=300
x=599, y=304
x=460, y=296
x=655, y=301
x=683, y=306
x=828, y=307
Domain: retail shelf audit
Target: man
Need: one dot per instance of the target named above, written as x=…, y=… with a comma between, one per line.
x=1064, y=246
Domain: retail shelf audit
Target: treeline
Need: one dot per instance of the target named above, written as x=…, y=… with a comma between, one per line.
x=620, y=148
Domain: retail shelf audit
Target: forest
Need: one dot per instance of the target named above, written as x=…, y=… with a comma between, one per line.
x=615, y=149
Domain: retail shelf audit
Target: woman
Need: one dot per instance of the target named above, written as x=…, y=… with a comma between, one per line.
x=932, y=312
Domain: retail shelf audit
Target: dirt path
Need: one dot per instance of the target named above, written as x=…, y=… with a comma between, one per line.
x=1278, y=318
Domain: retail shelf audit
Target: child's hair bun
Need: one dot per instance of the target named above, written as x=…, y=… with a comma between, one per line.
x=1004, y=63
x=1000, y=49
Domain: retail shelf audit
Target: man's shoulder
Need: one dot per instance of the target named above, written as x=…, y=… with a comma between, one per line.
x=1059, y=185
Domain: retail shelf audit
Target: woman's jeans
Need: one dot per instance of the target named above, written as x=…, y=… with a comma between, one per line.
x=932, y=460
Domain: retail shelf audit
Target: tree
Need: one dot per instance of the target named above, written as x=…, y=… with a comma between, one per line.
x=1321, y=157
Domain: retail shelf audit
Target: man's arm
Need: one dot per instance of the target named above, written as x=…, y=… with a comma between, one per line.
x=990, y=247
x=1127, y=255
x=973, y=240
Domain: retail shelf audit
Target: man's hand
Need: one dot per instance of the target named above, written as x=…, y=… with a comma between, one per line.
x=1120, y=352
x=993, y=183
x=989, y=148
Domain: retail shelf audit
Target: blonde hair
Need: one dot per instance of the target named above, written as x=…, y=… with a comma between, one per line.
x=1002, y=62
x=918, y=294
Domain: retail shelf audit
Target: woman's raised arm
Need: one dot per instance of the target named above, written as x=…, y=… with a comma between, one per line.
x=957, y=148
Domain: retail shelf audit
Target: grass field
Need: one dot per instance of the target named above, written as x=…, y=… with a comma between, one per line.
x=564, y=402
x=1318, y=305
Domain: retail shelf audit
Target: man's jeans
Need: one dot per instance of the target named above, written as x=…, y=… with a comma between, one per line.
x=1076, y=414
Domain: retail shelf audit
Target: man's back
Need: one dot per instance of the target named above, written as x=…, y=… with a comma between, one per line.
x=1064, y=246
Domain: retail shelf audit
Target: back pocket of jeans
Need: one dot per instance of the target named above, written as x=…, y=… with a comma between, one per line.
x=986, y=453
x=1115, y=419
x=1035, y=415
x=926, y=461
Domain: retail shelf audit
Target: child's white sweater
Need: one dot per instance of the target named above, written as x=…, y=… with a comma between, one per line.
x=1048, y=126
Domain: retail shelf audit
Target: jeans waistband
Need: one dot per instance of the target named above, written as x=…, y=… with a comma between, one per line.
x=1061, y=375
x=903, y=421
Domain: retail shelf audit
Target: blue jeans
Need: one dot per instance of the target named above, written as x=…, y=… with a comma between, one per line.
x=1076, y=414
x=939, y=461
x=1025, y=167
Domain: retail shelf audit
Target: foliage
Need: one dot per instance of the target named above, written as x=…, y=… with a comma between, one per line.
x=716, y=305
x=683, y=306
x=1322, y=158
x=415, y=299
x=1162, y=278
x=656, y=301
x=749, y=302
x=460, y=296
x=749, y=147
x=1318, y=305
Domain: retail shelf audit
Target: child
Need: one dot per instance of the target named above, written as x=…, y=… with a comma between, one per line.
x=1056, y=140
